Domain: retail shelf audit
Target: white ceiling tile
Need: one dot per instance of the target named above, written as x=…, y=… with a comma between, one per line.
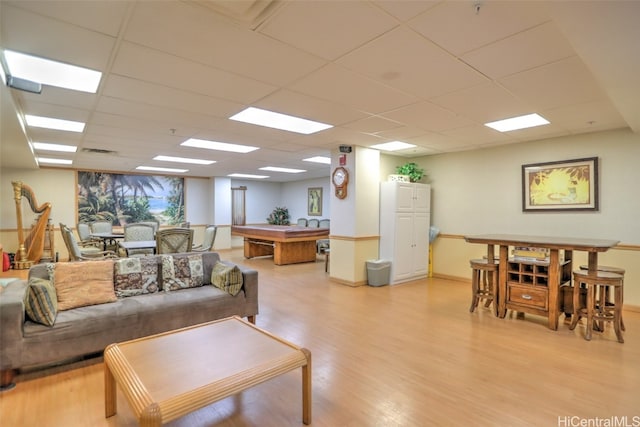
x=555, y=85
x=373, y=124
x=478, y=134
x=328, y=29
x=161, y=96
x=590, y=116
x=523, y=51
x=201, y=36
x=345, y=87
x=483, y=103
x=412, y=64
x=406, y=9
x=54, y=39
x=428, y=116
x=309, y=107
x=143, y=63
x=458, y=28
x=99, y=16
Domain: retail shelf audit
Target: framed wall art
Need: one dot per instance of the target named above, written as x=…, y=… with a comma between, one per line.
x=124, y=199
x=566, y=185
x=314, y=201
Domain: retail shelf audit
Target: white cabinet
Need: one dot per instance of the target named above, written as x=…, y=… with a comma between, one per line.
x=404, y=229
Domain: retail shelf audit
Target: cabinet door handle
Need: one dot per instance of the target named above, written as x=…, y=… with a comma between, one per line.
x=527, y=297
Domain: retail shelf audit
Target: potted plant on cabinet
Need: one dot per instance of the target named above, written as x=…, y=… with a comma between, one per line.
x=412, y=170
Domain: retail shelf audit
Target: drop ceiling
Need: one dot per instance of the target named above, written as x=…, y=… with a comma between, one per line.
x=425, y=72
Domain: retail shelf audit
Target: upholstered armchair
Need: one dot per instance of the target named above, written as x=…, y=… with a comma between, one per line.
x=208, y=240
x=76, y=253
x=174, y=240
x=138, y=231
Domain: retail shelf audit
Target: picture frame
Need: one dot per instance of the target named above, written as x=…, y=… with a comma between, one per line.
x=565, y=185
x=128, y=198
x=314, y=201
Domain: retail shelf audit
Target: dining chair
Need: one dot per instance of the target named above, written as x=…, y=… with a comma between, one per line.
x=302, y=222
x=313, y=222
x=325, y=223
x=154, y=224
x=208, y=240
x=139, y=231
x=84, y=235
x=101, y=227
x=76, y=253
x=174, y=240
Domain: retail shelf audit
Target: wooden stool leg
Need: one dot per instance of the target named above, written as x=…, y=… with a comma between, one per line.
x=617, y=314
x=475, y=283
x=494, y=291
x=576, y=305
x=590, y=303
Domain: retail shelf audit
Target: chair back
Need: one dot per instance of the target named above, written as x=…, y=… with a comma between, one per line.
x=314, y=223
x=174, y=240
x=185, y=224
x=101, y=227
x=325, y=223
x=154, y=224
x=138, y=231
x=71, y=243
x=84, y=231
x=208, y=239
x=302, y=222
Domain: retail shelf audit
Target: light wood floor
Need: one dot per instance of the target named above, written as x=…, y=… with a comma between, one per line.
x=408, y=355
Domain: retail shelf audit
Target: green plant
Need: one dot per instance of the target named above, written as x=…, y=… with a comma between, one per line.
x=411, y=169
x=279, y=216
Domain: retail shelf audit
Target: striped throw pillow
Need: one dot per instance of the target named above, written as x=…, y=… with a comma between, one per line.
x=227, y=277
x=41, y=301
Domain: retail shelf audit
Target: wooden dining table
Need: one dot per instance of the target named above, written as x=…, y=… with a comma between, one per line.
x=554, y=244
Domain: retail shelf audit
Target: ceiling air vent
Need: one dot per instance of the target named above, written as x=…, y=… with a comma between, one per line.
x=97, y=151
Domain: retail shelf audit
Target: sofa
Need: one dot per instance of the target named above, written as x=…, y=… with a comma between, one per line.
x=139, y=304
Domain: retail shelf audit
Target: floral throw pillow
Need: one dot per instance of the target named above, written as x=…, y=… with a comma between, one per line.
x=136, y=276
x=182, y=271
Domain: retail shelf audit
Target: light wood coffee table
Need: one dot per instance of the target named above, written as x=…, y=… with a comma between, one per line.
x=169, y=375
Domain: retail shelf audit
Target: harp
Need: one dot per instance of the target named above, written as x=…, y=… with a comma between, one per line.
x=37, y=245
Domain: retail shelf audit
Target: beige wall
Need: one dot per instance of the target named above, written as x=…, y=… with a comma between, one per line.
x=480, y=191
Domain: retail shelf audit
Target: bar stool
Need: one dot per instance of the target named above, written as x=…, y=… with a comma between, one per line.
x=484, y=283
x=607, y=297
x=599, y=286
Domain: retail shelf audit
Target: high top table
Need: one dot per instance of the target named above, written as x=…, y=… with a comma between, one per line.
x=554, y=244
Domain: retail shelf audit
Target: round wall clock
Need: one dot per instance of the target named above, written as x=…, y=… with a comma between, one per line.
x=340, y=180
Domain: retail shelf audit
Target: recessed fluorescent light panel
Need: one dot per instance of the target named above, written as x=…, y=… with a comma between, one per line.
x=520, y=122
x=55, y=124
x=45, y=146
x=246, y=175
x=393, y=146
x=319, y=159
x=215, y=145
x=54, y=161
x=183, y=160
x=285, y=170
x=260, y=117
x=155, y=169
x=52, y=73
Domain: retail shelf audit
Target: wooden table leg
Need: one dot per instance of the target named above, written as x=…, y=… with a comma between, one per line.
x=306, y=388
x=502, y=280
x=110, y=398
x=554, y=288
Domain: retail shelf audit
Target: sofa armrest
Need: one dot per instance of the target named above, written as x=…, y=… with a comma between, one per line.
x=250, y=286
x=12, y=319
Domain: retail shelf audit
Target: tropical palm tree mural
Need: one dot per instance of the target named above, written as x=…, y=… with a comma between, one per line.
x=124, y=199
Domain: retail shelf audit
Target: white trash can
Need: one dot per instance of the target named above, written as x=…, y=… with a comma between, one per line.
x=378, y=272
